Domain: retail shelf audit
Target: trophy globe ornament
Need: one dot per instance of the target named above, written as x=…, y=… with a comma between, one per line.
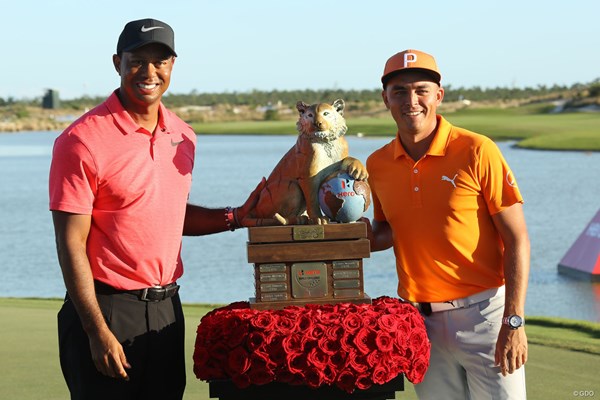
x=343, y=198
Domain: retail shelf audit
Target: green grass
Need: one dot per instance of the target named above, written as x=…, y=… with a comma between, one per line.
x=530, y=125
x=563, y=354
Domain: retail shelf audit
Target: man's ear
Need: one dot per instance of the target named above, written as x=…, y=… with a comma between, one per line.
x=440, y=95
x=385, y=99
x=117, y=63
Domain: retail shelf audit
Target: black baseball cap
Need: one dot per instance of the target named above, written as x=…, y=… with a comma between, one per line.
x=145, y=31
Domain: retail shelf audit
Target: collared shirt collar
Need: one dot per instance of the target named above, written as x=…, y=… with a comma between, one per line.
x=438, y=144
x=124, y=120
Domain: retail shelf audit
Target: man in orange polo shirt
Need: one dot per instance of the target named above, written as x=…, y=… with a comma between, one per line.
x=119, y=183
x=448, y=203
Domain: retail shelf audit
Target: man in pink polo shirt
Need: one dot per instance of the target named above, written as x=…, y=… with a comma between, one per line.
x=119, y=183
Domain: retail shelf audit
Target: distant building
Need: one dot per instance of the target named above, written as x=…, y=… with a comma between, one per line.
x=50, y=99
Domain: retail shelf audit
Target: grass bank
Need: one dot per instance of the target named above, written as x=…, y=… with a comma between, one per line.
x=564, y=355
x=531, y=126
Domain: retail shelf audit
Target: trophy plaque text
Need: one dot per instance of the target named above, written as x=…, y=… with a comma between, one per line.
x=308, y=264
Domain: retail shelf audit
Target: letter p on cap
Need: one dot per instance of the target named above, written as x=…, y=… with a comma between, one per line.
x=409, y=58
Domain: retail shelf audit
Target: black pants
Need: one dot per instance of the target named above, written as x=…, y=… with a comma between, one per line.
x=152, y=335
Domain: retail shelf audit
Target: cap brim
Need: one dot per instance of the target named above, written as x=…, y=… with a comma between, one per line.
x=146, y=42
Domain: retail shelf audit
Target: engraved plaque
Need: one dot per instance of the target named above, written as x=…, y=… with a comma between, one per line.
x=346, y=284
x=273, y=296
x=346, y=293
x=346, y=264
x=275, y=277
x=273, y=287
x=272, y=268
x=309, y=280
x=308, y=232
x=346, y=274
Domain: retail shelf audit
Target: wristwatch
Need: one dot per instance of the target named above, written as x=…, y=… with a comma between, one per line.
x=513, y=321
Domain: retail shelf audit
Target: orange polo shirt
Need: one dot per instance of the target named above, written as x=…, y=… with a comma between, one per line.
x=134, y=184
x=440, y=208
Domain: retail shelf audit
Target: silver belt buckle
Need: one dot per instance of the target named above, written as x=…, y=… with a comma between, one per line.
x=144, y=296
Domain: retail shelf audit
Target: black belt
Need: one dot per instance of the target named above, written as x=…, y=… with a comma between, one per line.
x=154, y=293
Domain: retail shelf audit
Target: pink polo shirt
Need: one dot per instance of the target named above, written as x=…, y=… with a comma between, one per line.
x=135, y=185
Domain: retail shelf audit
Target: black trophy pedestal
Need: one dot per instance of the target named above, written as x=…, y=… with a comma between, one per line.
x=225, y=390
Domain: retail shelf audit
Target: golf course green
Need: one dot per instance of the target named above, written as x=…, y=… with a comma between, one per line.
x=564, y=355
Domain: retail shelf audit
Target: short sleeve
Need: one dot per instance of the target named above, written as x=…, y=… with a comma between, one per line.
x=498, y=183
x=72, y=180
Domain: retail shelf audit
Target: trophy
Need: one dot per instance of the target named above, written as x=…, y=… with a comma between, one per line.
x=299, y=256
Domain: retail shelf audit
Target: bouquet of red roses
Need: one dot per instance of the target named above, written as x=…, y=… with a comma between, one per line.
x=352, y=346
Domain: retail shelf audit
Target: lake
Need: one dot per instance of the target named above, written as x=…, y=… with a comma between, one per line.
x=561, y=191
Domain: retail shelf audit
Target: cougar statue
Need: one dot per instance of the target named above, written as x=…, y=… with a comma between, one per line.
x=291, y=193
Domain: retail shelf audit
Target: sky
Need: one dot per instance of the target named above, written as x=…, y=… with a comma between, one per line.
x=243, y=45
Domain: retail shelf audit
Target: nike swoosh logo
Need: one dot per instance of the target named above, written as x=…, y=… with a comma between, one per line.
x=144, y=29
x=176, y=143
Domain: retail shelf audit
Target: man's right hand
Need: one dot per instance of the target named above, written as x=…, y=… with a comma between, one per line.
x=108, y=355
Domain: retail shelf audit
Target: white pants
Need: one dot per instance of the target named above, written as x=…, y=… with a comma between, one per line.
x=462, y=367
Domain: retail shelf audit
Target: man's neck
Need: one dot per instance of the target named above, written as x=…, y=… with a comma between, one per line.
x=145, y=116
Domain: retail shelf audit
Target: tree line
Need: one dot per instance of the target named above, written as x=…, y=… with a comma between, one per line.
x=289, y=98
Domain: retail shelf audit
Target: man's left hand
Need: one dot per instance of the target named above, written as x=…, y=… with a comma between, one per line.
x=511, y=349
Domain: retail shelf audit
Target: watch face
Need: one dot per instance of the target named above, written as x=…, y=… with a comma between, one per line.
x=514, y=321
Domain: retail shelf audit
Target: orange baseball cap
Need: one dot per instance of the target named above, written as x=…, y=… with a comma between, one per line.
x=410, y=59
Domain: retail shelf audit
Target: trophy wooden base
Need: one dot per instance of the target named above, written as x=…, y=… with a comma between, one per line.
x=275, y=305
x=308, y=264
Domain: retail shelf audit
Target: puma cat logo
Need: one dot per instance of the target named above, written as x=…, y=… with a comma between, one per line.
x=445, y=178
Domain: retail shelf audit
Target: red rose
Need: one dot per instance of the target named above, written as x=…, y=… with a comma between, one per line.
x=316, y=331
x=296, y=363
x=285, y=325
x=398, y=362
x=351, y=322
x=358, y=362
x=236, y=332
x=418, y=368
x=293, y=343
x=334, y=332
x=346, y=381
x=417, y=340
x=347, y=342
x=276, y=351
x=329, y=346
x=260, y=375
x=329, y=318
x=363, y=381
x=317, y=358
x=219, y=351
x=338, y=360
x=384, y=341
x=241, y=381
x=388, y=323
x=381, y=375
x=364, y=340
x=370, y=318
x=314, y=377
x=402, y=335
x=264, y=321
x=285, y=376
x=329, y=374
x=256, y=340
x=304, y=323
x=238, y=361
x=209, y=370
x=375, y=358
